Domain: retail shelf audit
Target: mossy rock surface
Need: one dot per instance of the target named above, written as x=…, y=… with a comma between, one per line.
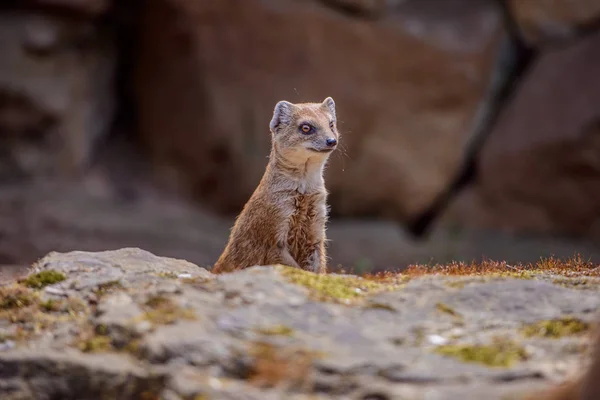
x=498, y=353
x=133, y=325
x=556, y=328
x=330, y=287
x=44, y=278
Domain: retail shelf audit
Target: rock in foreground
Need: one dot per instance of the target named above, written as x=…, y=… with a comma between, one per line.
x=126, y=324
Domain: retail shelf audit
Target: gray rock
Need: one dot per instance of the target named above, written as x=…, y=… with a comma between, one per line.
x=139, y=327
x=56, y=77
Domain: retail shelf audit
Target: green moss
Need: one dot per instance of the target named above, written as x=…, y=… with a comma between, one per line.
x=332, y=288
x=500, y=353
x=44, y=278
x=556, y=328
x=163, y=311
x=96, y=344
x=51, y=305
x=276, y=330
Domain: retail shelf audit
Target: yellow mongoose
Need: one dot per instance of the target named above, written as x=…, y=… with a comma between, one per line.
x=284, y=220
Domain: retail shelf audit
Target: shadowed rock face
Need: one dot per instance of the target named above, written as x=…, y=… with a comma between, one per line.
x=540, y=168
x=412, y=80
x=127, y=324
x=407, y=85
x=56, y=93
x=545, y=21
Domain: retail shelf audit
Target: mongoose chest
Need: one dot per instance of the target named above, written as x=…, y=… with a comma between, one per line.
x=306, y=225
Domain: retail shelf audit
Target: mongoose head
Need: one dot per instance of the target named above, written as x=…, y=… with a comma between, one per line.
x=305, y=130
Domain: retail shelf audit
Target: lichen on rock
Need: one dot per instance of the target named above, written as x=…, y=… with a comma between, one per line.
x=499, y=353
x=556, y=328
x=177, y=331
x=329, y=287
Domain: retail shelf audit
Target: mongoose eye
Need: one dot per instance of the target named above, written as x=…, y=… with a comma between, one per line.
x=306, y=128
x=331, y=123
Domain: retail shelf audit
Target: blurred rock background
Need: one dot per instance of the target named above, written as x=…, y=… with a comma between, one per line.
x=470, y=128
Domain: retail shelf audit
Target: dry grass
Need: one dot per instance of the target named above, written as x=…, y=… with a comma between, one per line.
x=107, y=288
x=457, y=268
x=92, y=339
x=14, y=296
x=31, y=316
x=574, y=267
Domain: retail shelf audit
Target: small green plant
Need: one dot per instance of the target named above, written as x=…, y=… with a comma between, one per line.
x=44, y=278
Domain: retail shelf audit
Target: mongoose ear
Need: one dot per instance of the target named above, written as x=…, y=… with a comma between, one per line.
x=281, y=115
x=329, y=105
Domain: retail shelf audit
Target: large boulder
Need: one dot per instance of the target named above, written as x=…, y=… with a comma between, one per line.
x=540, y=169
x=543, y=21
x=126, y=324
x=407, y=82
x=56, y=92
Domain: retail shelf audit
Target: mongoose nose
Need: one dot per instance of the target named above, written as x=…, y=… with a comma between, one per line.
x=331, y=142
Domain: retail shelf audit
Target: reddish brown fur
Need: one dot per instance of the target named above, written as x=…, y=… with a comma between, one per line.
x=284, y=220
